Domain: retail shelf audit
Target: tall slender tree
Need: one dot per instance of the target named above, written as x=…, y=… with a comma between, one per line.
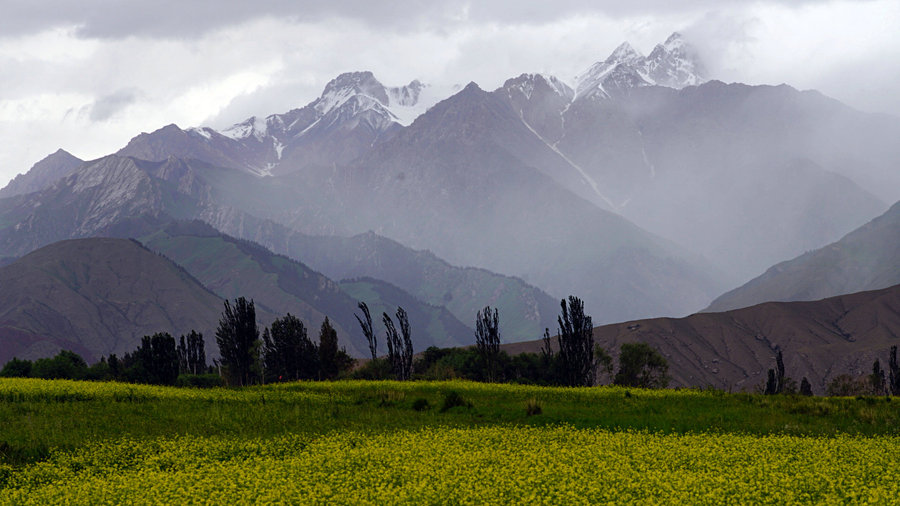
x=368, y=331
x=400, y=352
x=879, y=385
x=576, y=344
x=191, y=355
x=775, y=381
x=329, y=360
x=159, y=358
x=487, y=341
x=893, y=372
x=238, y=340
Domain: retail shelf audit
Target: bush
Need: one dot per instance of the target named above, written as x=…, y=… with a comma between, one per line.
x=641, y=366
x=452, y=399
x=377, y=369
x=16, y=368
x=199, y=381
x=65, y=365
x=532, y=407
x=845, y=385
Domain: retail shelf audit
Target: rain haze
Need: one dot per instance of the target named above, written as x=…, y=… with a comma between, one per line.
x=88, y=76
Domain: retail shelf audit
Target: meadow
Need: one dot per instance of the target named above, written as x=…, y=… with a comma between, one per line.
x=438, y=442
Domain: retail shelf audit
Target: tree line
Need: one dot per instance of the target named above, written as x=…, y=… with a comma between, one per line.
x=572, y=359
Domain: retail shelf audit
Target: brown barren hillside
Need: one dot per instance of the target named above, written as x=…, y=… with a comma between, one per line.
x=96, y=297
x=733, y=350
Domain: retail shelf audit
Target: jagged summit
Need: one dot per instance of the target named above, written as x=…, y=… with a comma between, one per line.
x=673, y=64
x=624, y=54
x=526, y=84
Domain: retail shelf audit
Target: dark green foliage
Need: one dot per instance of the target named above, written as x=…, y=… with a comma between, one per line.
x=159, y=359
x=771, y=383
x=99, y=371
x=775, y=382
x=576, y=344
x=421, y=404
x=805, y=387
x=378, y=369
x=877, y=379
x=641, y=366
x=546, y=347
x=400, y=353
x=329, y=363
x=16, y=368
x=894, y=372
x=487, y=341
x=845, y=385
x=452, y=399
x=238, y=340
x=367, y=329
x=288, y=353
x=65, y=365
x=115, y=366
x=191, y=354
x=199, y=381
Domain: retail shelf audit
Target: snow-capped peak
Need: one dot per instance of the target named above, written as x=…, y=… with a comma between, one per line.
x=348, y=85
x=673, y=64
x=253, y=126
x=526, y=84
x=624, y=54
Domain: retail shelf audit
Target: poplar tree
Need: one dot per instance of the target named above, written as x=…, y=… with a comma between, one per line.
x=238, y=340
x=487, y=340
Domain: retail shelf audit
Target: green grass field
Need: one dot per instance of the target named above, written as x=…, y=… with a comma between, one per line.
x=377, y=442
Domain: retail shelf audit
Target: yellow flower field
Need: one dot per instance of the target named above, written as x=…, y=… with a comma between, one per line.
x=558, y=465
x=306, y=450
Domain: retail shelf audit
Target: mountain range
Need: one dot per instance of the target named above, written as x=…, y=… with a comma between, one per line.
x=643, y=187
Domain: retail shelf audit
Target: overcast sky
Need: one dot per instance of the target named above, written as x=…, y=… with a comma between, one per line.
x=87, y=76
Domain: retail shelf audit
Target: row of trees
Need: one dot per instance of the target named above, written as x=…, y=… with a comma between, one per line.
x=574, y=359
x=285, y=352
x=158, y=360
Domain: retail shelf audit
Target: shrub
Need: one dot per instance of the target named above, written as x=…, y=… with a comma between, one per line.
x=199, y=381
x=532, y=407
x=16, y=368
x=452, y=399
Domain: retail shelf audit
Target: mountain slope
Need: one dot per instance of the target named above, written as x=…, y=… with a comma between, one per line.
x=42, y=174
x=233, y=268
x=96, y=297
x=525, y=309
x=734, y=350
x=866, y=259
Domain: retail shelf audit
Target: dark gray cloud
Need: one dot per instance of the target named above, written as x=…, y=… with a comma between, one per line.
x=109, y=105
x=186, y=20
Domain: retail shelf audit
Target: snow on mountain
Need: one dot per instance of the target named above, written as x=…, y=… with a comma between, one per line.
x=526, y=83
x=673, y=64
x=253, y=126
